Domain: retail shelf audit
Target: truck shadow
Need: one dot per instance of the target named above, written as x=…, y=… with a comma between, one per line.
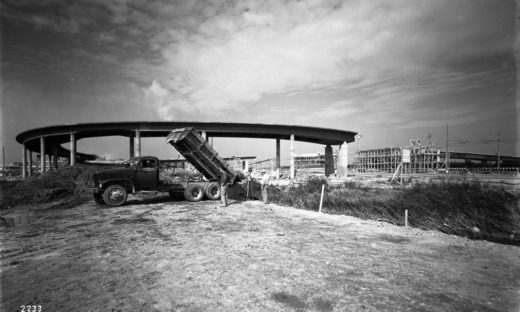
x=145, y=200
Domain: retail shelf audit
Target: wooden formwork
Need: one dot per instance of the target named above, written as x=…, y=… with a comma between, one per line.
x=422, y=159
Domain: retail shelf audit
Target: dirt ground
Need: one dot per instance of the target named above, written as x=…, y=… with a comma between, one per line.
x=165, y=255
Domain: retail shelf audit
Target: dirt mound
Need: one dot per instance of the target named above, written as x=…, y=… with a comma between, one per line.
x=56, y=185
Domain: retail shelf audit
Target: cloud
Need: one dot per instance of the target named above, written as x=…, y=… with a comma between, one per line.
x=277, y=49
x=168, y=104
x=220, y=56
x=235, y=56
x=329, y=112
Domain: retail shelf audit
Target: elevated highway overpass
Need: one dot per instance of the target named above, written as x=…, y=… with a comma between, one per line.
x=48, y=141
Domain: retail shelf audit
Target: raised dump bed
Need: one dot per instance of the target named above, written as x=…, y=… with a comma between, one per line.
x=201, y=154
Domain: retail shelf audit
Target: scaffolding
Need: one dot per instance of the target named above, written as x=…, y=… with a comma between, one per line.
x=422, y=158
x=301, y=162
x=313, y=161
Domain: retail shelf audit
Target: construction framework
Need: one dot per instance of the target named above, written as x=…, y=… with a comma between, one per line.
x=416, y=158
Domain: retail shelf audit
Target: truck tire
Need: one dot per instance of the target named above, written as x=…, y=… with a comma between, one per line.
x=194, y=192
x=115, y=195
x=98, y=198
x=213, y=191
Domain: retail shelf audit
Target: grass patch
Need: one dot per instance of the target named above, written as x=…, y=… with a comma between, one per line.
x=466, y=209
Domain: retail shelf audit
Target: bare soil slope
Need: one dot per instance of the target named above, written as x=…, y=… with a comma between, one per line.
x=166, y=256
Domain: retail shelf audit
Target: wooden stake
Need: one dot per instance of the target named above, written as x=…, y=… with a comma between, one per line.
x=321, y=200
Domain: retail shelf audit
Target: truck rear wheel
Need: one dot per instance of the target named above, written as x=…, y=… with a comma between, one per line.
x=194, y=192
x=213, y=191
x=115, y=195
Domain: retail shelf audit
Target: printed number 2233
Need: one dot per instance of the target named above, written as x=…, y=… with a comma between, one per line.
x=31, y=308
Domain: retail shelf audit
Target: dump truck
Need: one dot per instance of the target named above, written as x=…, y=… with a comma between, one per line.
x=143, y=174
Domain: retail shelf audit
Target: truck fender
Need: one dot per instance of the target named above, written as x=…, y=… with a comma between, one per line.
x=127, y=184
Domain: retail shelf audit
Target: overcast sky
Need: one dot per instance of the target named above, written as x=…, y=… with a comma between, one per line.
x=392, y=70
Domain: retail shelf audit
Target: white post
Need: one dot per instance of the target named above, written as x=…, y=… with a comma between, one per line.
x=321, y=199
x=406, y=217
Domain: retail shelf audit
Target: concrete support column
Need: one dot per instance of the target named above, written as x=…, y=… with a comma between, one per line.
x=24, y=161
x=42, y=154
x=343, y=159
x=137, y=143
x=329, y=161
x=55, y=157
x=132, y=148
x=73, y=146
x=293, y=169
x=30, y=163
x=278, y=158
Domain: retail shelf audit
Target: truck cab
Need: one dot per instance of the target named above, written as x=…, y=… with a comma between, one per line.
x=146, y=176
x=137, y=174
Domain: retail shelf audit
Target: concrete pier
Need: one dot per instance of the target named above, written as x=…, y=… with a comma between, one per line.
x=343, y=160
x=42, y=154
x=293, y=172
x=132, y=148
x=278, y=157
x=73, y=147
x=137, y=143
x=24, y=161
x=54, y=157
x=329, y=161
x=30, y=164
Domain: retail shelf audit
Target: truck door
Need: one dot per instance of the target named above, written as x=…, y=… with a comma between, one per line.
x=147, y=174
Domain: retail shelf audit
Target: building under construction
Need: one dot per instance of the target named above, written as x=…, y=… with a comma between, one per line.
x=415, y=158
x=418, y=158
x=301, y=162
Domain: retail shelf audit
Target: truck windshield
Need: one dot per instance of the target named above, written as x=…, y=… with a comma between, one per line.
x=130, y=163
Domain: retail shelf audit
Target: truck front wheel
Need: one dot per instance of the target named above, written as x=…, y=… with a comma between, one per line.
x=213, y=191
x=115, y=195
x=194, y=192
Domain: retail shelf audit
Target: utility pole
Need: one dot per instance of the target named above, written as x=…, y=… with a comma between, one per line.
x=447, y=154
x=3, y=162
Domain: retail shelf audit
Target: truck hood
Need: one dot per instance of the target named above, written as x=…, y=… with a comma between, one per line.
x=113, y=173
